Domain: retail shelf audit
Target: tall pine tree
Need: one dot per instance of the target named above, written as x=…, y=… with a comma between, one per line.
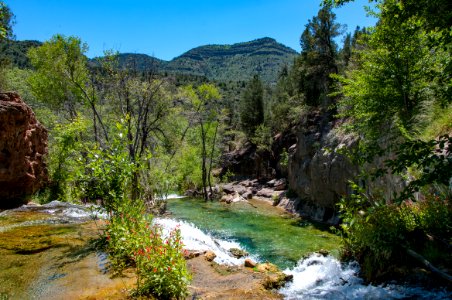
x=252, y=106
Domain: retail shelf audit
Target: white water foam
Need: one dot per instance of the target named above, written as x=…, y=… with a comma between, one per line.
x=318, y=277
x=195, y=239
x=73, y=210
x=174, y=196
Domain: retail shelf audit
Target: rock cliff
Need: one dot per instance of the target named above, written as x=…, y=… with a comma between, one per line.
x=23, y=147
x=317, y=172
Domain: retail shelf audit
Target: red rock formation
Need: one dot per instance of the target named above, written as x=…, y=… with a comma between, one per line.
x=23, y=145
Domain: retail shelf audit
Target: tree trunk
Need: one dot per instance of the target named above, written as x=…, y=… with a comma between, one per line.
x=203, y=164
x=211, y=160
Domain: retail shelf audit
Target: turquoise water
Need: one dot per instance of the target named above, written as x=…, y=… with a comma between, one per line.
x=260, y=228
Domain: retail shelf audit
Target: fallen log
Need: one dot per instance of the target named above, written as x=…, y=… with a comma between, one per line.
x=429, y=266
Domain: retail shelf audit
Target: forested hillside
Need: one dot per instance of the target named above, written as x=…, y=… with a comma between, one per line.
x=239, y=62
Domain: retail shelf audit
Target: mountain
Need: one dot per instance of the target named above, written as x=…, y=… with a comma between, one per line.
x=140, y=61
x=15, y=52
x=237, y=62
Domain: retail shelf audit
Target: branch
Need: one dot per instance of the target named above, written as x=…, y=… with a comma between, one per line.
x=429, y=266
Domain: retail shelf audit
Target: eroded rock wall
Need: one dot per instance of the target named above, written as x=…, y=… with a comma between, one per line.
x=23, y=146
x=317, y=171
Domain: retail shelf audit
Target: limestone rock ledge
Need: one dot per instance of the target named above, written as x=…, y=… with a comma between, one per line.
x=23, y=147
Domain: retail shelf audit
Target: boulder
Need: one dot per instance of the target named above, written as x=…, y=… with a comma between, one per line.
x=209, y=255
x=190, y=254
x=280, y=185
x=238, y=253
x=228, y=188
x=240, y=189
x=23, y=147
x=265, y=192
x=276, y=280
x=227, y=198
x=248, y=195
x=249, y=263
x=267, y=267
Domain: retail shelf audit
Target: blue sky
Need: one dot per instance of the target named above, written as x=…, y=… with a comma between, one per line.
x=168, y=28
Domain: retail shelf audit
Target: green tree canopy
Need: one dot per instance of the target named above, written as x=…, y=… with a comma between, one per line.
x=252, y=106
x=61, y=72
x=6, y=22
x=400, y=72
x=319, y=55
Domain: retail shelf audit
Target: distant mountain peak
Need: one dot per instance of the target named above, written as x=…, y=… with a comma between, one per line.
x=240, y=61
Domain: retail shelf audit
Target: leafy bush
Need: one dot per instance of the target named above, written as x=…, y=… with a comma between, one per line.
x=134, y=241
x=65, y=146
x=108, y=173
x=378, y=235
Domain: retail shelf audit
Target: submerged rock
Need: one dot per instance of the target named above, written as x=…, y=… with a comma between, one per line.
x=23, y=146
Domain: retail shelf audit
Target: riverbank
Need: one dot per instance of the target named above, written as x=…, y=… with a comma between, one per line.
x=48, y=252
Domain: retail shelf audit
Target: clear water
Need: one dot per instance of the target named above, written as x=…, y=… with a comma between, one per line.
x=269, y=233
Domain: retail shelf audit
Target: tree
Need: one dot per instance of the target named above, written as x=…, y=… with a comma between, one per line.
x=6, y=22
x=252, y=106
x=6, y=33
x=205, y=112
x=398, y=74
x=62, y=78
x=318, y=57
x=143, y=102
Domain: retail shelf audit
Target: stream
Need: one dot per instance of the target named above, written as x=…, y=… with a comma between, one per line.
x=46, y=251
x=270, y=234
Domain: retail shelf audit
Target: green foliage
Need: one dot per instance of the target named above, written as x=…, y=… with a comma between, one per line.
x=227, y=177
x=378, y=235
x=252, y=106
x=14, y=53
x=187, y=164
x=284, y=158
x=262, y=138
x=16, y=80
x=6, y=22
x=66, y=145
x=61, y=73
x=318, y=57
x=132, y=240
x=288, y=101
x=108, y=171
x=438, y=121
x=161, y=266
x=432, y=160
x=206, y=118
x=237, y=62
x=401, y=69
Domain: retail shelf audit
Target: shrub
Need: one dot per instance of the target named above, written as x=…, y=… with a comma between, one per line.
x=132, y=240
x=379, y=235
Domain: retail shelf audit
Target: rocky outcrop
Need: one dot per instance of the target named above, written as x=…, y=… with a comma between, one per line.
x=318, y=172
x=246, y=162
x=23, y=146
x=272, y=191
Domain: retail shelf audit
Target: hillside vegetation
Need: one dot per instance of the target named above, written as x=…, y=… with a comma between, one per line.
x=264, y=57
